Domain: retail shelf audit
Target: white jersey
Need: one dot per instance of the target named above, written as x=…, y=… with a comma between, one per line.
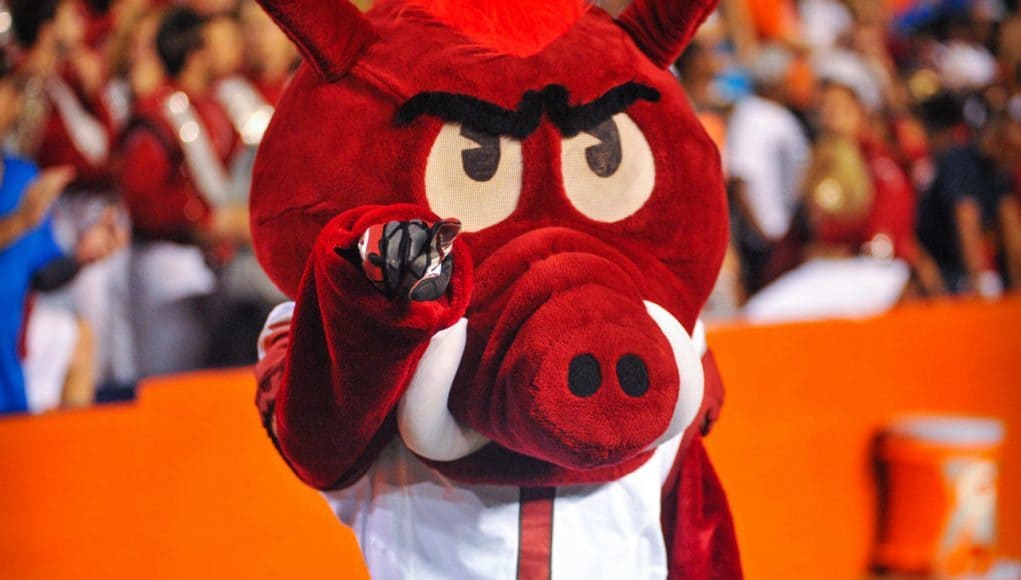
x=413, y=523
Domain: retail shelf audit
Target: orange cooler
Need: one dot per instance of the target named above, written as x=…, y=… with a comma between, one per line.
x=940, y=484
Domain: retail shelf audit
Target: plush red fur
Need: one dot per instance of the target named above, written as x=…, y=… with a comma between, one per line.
x=320, y=169
x=359, y=348
x=331, y=35
x=662, y=28
x=516, y=27
x=696, y=521
x=539, y=288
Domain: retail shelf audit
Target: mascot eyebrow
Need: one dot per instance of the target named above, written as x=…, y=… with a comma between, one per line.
x=491, y=119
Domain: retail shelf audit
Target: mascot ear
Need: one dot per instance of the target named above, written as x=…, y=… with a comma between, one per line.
x=332, y=34
x=662, y=28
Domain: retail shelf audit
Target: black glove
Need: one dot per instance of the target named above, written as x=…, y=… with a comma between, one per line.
x=408, y=259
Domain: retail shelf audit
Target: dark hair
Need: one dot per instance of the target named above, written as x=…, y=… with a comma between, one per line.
x=179, y=35
x=5, y=64
x=29, y=17
x=98, y=6
x=691, y=53
x=941, y=111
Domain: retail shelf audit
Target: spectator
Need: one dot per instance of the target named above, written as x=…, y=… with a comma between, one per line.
x=59, y=365
x=67, y=123
x=271, y=57
x=136, y=68
x=860, y=209
x=112, y=26
x=968, y=216
x=247, y=109
x=880, y=220
x=882, y=204
x=177, y=187
x=245, y=294
x=766, y=155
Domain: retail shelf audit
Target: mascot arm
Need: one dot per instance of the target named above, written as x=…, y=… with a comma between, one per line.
x=696, y=519
x=329, y=401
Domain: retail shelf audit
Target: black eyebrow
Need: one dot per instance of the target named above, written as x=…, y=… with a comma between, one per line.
x=491, y=119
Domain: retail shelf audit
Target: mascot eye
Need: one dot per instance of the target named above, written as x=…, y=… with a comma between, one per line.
x=609, y=172
x=473, y=177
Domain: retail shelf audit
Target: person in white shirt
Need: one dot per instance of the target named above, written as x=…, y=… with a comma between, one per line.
x=766, y=154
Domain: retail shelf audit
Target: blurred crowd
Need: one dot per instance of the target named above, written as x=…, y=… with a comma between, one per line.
x=129, y=132
x=871, y=149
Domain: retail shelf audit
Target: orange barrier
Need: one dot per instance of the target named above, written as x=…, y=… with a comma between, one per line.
x=184, y=484
x=794, y=444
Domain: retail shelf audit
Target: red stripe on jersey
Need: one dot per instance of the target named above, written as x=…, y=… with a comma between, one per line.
x=536, y=539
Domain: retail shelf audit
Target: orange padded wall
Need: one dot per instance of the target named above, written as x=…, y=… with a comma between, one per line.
x=183, y=484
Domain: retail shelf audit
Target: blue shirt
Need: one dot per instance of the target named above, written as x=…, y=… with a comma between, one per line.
x=18, y=263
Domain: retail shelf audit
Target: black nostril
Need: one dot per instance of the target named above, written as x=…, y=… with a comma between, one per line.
x=633, y=376
x=583, y=376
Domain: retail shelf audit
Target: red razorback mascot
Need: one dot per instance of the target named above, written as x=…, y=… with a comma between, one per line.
x=526, y=400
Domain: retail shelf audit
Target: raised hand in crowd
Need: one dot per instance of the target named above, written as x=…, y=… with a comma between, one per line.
x=103, y=238
x=36, y=204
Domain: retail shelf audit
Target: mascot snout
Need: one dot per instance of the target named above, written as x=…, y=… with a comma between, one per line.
x=588, y=381
x=568, y=364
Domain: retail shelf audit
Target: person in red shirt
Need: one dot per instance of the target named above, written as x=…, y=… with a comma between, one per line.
x=65, y=122
x=884, y=226
x=861, y=255
x=177, y=187
x=175, y=149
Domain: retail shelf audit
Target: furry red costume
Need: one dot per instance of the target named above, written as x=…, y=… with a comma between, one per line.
x=540, y=415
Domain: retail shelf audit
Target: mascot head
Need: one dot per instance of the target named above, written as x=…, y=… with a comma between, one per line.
x=591, y=199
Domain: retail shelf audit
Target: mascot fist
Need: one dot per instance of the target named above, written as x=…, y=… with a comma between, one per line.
x=408, y=259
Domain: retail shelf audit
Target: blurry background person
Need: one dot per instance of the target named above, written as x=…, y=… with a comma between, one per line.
x=766, y=153
x=881, y=222
x=49, y=361
x=969, y=216
x=211, y=7
x=65, y=122
x=245, y=294
x=270, y=57
x=136, y=70
x=177, y=186
x=705, y=70
x=246, y=108
x=124, y=21
x=698, y=69
x=861, y=248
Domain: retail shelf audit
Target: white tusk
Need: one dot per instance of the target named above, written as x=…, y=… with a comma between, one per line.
x=689, y=367
x=423, y=419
